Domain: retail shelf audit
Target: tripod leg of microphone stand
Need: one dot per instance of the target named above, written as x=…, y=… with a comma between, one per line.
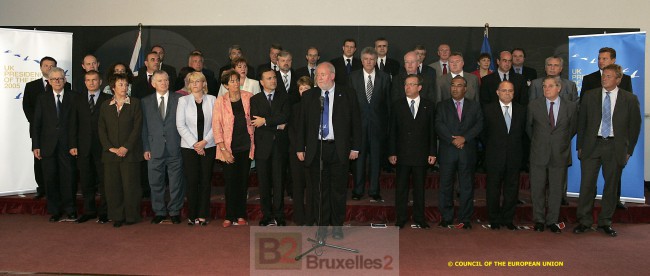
x=322, y=243
x=316, y=245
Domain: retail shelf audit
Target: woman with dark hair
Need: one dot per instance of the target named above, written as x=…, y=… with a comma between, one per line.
x=194, y=124
x=120, y=133
x=183, y=74
x=483, y=70
x=241, y=67
x=302, y=191
x=233, y=135
x=119, y=68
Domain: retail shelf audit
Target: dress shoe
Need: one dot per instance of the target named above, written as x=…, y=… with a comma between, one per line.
x=580, y=229
x=539, y=227
x=72, y=217
x=39, y=195
x=467, y=225
x=356, y=196
x=337, y=233
x=519, y=201
x=102, y=219
x=376, y=198
x=554, y=228
x=621, y=206
x=265, y=222
x=190, y=222
x=608, y=230
x=176, y=219
x=280, y=222
x=400, y=224
x=422, y=225
x=157, y=219
x=55, y=218
x=510, y=226
x=564, y=202
x=118, y=224
x=203, y=222
x=444, y=224
x=495, y=226
x=85, y=218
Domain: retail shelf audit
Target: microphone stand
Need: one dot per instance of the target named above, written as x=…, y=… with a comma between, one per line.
x=320, y=238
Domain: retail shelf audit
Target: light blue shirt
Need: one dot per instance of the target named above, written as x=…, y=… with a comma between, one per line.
x=556, y=108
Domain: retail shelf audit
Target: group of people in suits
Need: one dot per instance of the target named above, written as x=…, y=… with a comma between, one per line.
x=310, y=127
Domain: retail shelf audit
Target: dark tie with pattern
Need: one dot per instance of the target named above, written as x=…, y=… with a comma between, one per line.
x=369, y=88
x=311, y=73
x=382, y=65
x=444, y=69
x=348, y=66
x=551, y=116
x=91, y=103
x=606, y=121
x=505, y=77
x=326, y=116
x=58, y=105
x=270, y=99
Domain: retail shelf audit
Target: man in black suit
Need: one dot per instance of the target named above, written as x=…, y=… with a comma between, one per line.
x=235, y=52
x=339, y=136
x=503, y=133
x=606, y=56
x=33, y=90
x=490, y=83
x=85, y=146
x=270, y=113
x=273, y=59
x=551, y=123
x=412, y=147
x=372, y=88
x=384, y=63
x=459, y=121
x=421, y=53
x=346, y=63
x=609, y=124
x=171, y=71
x=287, y=77
x=195, y=61
x=50, y=144
x=411, y=65
x=312, y=61
x=142, y=84
x=518, y=58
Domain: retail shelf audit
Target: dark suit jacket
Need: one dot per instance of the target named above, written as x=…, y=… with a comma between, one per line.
x=342, y=75
x=391, y=66
x=551, y=146
x=376, y=112
x=293, y=86
x=278, y=113
x=528, y=73
x=160, y=135
x=428, y=86
x=412, y=140
x=490, y=84
x=141, y=87
x=121, y=130
x=504, y=149
x=448, y=125
x=33, y=89
x=443, y=87
x=346, y=122
x=82, y=132
x=171, y=71
x=304, y=71
x=48, y=128
x=626, y=122
x=593, y=81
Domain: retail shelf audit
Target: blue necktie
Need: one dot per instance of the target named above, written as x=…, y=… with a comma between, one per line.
x=326, y=115
x=270, y=99
x=508, y=119
x=606, y=122
x=348, y=67
x=58, y=105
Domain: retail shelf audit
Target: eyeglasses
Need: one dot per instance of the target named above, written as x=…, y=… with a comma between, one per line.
x=57, y=79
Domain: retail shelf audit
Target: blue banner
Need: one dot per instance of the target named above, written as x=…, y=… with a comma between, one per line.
x=630, y=55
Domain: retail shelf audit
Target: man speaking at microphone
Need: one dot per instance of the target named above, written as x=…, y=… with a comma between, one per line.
x=340, y=137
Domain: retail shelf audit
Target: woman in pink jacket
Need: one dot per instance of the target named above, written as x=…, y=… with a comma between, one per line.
x=233, y=134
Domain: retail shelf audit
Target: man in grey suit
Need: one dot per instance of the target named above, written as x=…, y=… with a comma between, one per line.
x=609, y=124
x=553, y=67
x=551, y=123
x=162, y=149
x=456, y=64
x=372, y=87
x=442, y=65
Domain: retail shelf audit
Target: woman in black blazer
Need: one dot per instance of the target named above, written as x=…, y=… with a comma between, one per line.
x=120, y=133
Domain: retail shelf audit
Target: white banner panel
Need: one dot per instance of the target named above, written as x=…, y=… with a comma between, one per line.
x=20, y=54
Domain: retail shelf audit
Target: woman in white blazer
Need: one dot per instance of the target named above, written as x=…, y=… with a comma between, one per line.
x=194, y=123
x=250, y=85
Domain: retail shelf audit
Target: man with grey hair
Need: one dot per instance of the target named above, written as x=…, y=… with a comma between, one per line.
x=411, y=66
x=372, y=89
x=235, y=51
x=553, y=67
x=50, y=145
